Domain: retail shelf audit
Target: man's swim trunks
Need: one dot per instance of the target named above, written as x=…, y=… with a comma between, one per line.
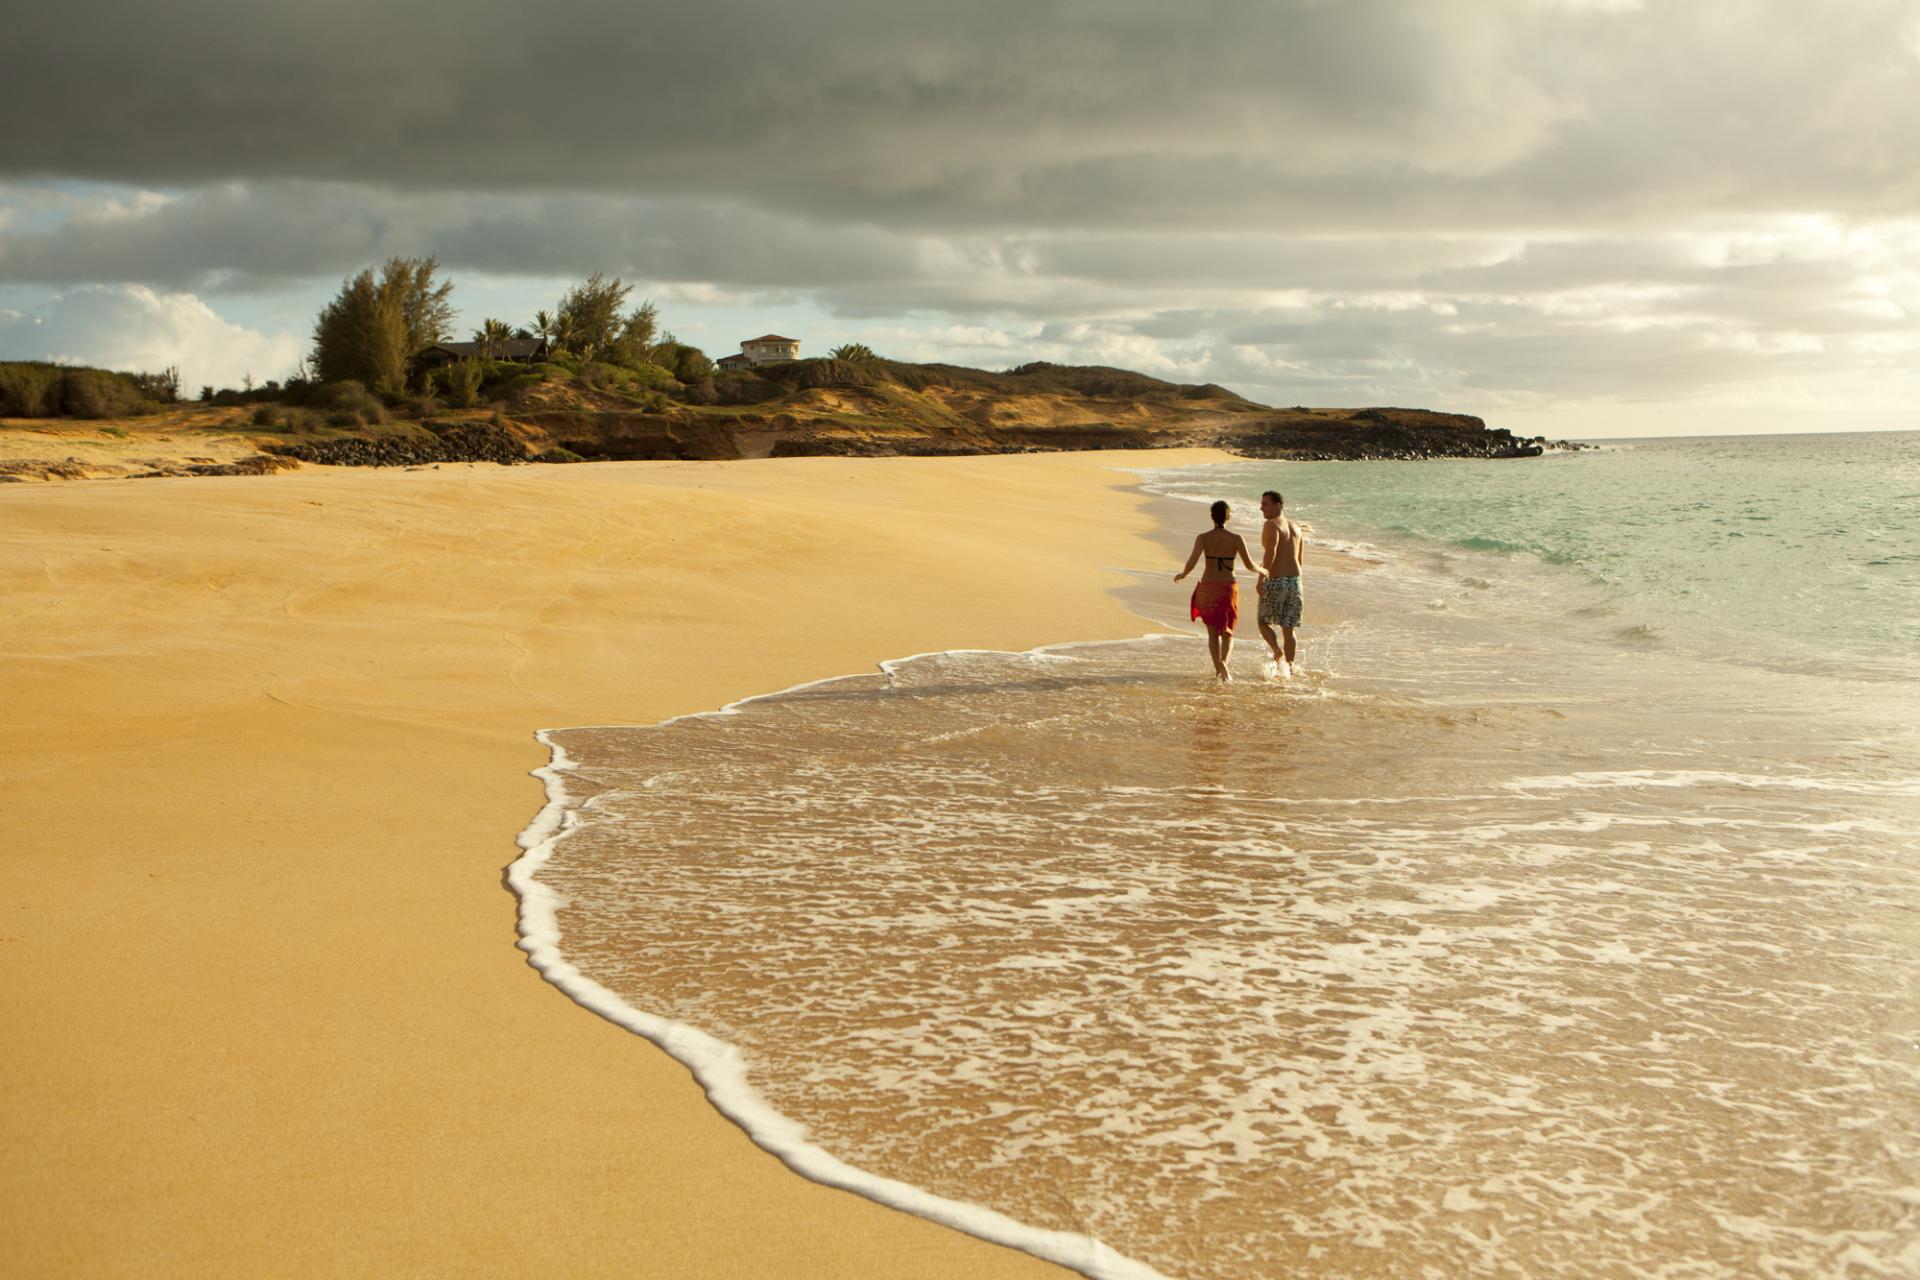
x=1280, y=602
x=1217, y=604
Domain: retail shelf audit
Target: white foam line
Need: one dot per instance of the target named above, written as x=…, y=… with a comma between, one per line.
x=719, y=1067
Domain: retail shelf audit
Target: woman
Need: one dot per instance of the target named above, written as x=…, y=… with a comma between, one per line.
x=1216, y=597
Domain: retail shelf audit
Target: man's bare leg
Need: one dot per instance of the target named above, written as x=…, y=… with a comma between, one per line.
x=1273, y=641
x=1288, y=633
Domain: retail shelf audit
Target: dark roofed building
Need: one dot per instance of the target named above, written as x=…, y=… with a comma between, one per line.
x=516, y=350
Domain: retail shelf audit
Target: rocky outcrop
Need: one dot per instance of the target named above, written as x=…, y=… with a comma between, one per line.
x=1328, y=435
x=634, y=436
x=434, y=442
x=15, y=470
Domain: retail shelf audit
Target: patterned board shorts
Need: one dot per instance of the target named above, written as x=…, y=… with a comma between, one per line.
x=1280, y=602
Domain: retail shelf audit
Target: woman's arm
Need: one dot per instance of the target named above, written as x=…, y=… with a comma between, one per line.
x=1192, y=560
x=1247, y=560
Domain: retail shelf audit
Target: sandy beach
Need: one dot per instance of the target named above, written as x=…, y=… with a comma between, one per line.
x=267, y=748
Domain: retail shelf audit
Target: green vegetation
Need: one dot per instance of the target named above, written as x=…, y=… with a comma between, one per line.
x=372, y=328
x=491, y=334
x=463, y=382
x=39, y=389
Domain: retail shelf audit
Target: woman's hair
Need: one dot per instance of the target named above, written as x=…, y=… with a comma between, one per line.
x=1219, y=512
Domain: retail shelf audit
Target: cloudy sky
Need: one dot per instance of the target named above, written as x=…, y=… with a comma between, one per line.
x=1573, y=217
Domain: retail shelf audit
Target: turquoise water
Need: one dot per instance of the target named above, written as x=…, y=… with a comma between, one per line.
x=1783, y=550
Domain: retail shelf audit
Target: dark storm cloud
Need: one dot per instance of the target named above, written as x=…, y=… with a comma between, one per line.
x=1469, y=202
x=1120, y=113
x=237, y=236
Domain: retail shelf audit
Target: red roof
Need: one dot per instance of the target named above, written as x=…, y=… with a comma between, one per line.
x=769, y=337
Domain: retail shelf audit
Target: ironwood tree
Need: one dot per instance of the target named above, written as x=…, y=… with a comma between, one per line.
x=371, y=330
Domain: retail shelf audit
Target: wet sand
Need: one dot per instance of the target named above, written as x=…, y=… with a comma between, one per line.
x=265, y=751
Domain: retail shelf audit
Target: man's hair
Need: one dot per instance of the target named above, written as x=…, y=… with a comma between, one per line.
x=1278, y=501
x=1219, y=512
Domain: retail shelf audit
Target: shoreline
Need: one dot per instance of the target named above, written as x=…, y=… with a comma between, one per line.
x=717, y=1064
x=260, y=968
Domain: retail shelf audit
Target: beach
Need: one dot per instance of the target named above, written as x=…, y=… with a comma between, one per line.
x=1556, y=913
x=267, y=749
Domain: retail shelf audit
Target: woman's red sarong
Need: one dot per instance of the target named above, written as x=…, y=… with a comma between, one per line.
x=1217, y=604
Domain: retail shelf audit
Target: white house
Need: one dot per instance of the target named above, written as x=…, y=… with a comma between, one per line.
x=768, y=348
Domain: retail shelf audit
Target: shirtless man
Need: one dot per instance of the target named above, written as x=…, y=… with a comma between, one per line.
x=1283, y=550
x=1216, y=599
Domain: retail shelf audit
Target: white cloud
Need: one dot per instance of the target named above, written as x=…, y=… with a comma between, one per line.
x=133, y=327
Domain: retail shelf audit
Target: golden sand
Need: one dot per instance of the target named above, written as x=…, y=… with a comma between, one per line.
x=266, y=744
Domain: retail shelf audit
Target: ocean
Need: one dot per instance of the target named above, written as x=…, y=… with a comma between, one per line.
x=1561, y=917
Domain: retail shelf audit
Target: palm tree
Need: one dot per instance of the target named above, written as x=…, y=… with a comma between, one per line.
x=543, y=325
x=562, y=333
x=854, y=353
x=490, y=333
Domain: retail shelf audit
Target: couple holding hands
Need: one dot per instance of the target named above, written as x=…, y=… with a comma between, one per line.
x=1216, y=598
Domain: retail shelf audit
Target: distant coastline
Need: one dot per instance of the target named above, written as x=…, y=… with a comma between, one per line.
x=69, y=423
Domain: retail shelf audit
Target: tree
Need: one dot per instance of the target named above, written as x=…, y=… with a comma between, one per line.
x=853, y=353
x=637, y=335
x=362, y=336
x=371, y=330
x=426, y=307
x=491, y=334
x=688, y=364
x=590, y=314
x=543, y=325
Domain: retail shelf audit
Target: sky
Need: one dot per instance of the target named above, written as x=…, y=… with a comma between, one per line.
x=1581, y=218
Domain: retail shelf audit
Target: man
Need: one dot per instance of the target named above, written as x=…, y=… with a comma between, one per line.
x=1283, y=550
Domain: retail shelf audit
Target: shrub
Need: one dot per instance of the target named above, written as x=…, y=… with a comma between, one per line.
x=349, y=398
x=606, y=377
x=280, y=417
x=45, y=390
x=463, y=383
x=29, y=390
x=96, y=393
x=650, y=376
x=737, y=386
x=496, y=375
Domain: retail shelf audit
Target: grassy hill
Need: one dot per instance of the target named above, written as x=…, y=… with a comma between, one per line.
x=887, y=407
x=566, y=412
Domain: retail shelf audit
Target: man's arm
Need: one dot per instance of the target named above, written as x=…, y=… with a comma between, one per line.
x=1192, y=560
x=1300, y=546
x=1246, y=559
x=1269, y=544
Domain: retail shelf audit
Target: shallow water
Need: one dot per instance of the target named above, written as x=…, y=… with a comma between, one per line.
x=1498, y=941
x=1802, y=552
